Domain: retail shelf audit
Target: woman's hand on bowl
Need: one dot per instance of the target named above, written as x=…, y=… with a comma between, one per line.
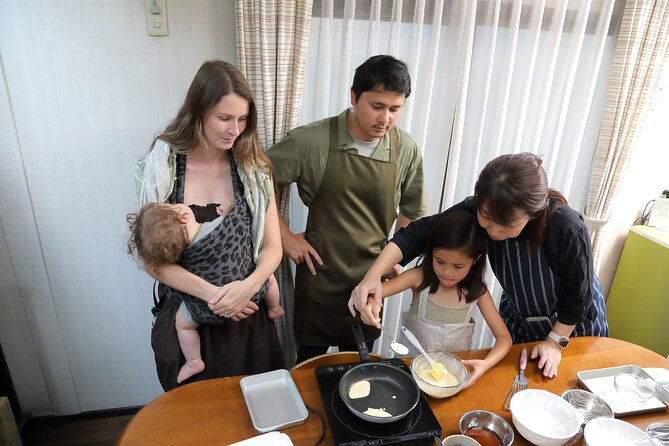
x=549, y=355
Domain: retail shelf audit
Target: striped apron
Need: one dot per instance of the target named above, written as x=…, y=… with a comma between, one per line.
x=531, y=290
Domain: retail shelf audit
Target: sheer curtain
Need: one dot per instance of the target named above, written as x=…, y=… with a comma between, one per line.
x=489, y=77
x=640, y=58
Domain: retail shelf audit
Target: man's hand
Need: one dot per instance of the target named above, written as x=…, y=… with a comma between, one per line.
x=300, y=250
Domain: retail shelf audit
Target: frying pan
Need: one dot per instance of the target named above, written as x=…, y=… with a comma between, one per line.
x=391, y=388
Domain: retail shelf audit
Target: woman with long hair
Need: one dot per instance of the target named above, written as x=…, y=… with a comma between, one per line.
x=209, y=157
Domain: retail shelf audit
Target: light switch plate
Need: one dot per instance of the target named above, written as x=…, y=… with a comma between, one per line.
x=156, y=17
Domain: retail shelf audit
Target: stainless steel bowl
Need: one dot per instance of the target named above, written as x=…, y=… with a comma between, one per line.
x=589, y=405
x=659, y=431
x=490, y=421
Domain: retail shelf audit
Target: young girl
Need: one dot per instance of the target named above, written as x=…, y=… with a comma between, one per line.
x=451, y=281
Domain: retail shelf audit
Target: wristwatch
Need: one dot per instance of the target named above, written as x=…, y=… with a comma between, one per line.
x=560, y=340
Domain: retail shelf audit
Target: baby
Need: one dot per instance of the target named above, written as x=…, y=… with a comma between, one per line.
x=159, y=234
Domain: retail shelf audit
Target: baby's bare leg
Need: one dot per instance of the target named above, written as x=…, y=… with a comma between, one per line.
x=189, y=340
x=272, y=299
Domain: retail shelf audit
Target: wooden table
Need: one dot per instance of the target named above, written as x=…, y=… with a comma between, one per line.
x=214, y=411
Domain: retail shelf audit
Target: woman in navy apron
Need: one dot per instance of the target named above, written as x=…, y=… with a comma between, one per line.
x=539, y=250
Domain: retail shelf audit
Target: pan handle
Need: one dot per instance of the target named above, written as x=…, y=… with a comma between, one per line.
x=360, y=342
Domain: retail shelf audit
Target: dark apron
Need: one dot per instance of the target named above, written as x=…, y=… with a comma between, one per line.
x=348, y=224
x=531, y=290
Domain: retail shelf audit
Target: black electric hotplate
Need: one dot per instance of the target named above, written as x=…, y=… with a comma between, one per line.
x=418, y=427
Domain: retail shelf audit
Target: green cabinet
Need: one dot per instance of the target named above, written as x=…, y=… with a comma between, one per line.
x=638, y=303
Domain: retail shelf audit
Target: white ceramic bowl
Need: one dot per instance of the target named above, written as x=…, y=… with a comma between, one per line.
x=611, y=431
x=544, y=418
x=452, y=363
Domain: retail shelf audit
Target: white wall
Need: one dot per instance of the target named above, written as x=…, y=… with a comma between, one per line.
x=82, y=90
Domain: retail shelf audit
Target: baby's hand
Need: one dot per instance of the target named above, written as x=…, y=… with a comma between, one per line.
x=224, y=208
x=274, y=312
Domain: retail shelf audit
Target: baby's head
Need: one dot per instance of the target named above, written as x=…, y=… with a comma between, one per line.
x=158, y=233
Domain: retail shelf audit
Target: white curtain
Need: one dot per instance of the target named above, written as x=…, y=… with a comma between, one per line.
x=489, y=77
x=640, y=58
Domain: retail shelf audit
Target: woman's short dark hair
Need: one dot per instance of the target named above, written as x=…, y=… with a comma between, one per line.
x=457, y=230
x=515, y=182
x=384, y=72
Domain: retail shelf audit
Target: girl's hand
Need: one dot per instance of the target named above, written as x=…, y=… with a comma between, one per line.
x=367, y=288
x=233, y=297
x=549, y=355
x=477, y=367
x=370, y=314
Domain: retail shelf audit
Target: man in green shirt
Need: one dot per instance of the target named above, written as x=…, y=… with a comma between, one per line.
x=353, y=171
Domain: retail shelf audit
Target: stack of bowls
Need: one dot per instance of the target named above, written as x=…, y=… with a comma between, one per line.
x=420, y=366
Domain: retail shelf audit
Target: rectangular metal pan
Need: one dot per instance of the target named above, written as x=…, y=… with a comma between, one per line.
x=600, y=382
x=273, y=400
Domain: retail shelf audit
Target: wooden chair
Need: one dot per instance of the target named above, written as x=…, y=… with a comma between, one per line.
x=332, y=359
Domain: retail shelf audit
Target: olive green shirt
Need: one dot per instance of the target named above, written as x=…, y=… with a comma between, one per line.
x=302, y=156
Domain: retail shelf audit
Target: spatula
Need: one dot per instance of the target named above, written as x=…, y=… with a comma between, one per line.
x=398, y=348
x=437, y=369
x=519, y=382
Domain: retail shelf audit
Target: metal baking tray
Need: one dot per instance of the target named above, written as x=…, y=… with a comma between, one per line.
x=600, y=382
x=273, y=400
